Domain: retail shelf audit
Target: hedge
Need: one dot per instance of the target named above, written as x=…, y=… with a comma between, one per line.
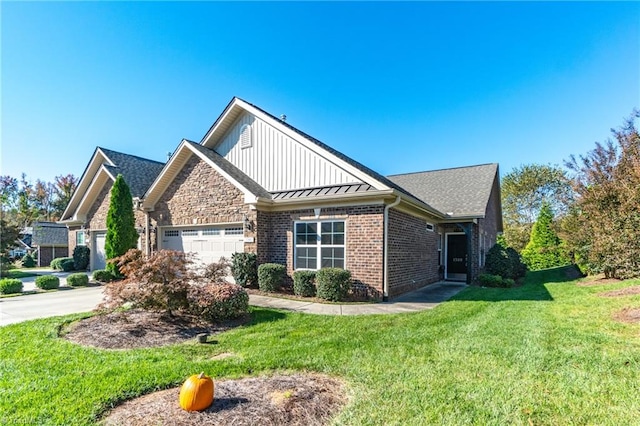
x=270, y=276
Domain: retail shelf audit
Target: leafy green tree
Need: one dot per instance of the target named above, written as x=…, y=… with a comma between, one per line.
x=607, y=213
x=524, y=191
x=121, y=228
x=544, y=249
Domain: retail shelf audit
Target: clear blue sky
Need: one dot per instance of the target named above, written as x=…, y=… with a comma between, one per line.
x=400, y=87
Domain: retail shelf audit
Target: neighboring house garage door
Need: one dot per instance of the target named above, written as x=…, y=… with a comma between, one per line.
x=209, y=243
x=99, y=256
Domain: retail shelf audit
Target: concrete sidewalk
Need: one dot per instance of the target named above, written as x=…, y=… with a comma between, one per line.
x=427, y=297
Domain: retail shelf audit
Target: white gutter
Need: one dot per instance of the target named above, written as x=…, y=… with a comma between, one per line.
x=385, y=282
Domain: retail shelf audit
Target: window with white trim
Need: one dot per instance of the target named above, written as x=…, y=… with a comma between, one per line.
x=211, y=231
x=430, y=227
x=190, y=233
x=233, y=231
x=81, y=238
x=319, y=244
x=171, y=233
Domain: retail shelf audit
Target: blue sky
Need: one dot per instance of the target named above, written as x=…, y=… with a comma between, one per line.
x=400, y=87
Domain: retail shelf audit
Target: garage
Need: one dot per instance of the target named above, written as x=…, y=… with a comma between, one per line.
x=209, y=243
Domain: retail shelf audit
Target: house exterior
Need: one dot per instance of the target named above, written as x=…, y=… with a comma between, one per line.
x=49, y=240
x=256, y=184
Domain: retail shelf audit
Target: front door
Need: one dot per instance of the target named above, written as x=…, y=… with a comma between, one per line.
x=456, y=257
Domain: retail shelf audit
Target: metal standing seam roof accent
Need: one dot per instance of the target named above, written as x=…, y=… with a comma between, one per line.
x=231, y=170
x=322, y=191
x=138, y=172
x=461, y=191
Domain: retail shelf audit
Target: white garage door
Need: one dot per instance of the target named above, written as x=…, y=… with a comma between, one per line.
x=209, y=243
x=99, y=256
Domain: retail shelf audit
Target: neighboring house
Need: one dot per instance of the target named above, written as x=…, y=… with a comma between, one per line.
x=22, y=245
x=256, y=184
x=49, y=240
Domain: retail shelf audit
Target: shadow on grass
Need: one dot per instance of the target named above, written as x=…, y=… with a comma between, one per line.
x=533, y=287
x=261, y=315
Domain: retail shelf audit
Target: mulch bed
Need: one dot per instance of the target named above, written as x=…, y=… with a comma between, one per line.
x=300, y=399
x=628, y=315
x=627, y=291
x=598, y=281
x=138, y=328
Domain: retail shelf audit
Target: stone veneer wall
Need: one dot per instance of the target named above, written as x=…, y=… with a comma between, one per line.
x=199, y=195
x=364, y=242
x=413, y=253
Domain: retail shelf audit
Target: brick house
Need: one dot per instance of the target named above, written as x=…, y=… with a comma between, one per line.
x=254, y=183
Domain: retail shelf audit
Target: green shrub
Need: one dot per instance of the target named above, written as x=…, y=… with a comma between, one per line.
x=498, y=262
x=77, y=280
x=103, y=276
x=489, y=280
x=47, y=282
x=518, y=268
x=333, y=283
x=303, y=283
x=270, y=276
x=56, y=263
x=218, y=301
x=68, y=265
x=81, y=258
x=10, y=286
x=28, y=261
x=244, y=268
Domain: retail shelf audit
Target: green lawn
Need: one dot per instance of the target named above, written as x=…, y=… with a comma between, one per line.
x=18, y=273
x=544, y=353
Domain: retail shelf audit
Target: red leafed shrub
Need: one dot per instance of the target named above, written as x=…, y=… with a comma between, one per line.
x=159, y=282
x=218, y=301
x=164, y=281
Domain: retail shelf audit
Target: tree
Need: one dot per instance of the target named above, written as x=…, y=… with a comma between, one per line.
x=544, y=249
x=524, y=191
x=121, y=228
x=63, y=187
x=607, y=213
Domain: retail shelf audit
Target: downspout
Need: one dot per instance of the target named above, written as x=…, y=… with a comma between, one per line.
x=385, y=281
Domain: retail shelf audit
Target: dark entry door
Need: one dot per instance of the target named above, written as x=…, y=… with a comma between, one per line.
x=456, y=257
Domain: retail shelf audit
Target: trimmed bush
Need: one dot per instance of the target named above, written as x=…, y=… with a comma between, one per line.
x=28, y=261
x=518, y=267
x=103, y=276
x=244, y=268
x=218, y=302
x=489, y=280
x=81, y=258
x=47, y=282
x=57, y=263
x=68, y=265
x=270, y=276
x=77, y=280
x=498, y=262
x=333, y=283
x=303, y=283
x=10, y=286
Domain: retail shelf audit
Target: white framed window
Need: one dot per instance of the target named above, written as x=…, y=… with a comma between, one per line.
x=189, y=232
x=81, y=238
x=430, y=227
x=439, y=248
x=171, y=233
x=319, y=244
x=211, y=231
x=233, y=231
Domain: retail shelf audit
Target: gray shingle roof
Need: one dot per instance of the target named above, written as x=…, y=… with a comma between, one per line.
x=138, y=172
x=49, y=234
x=462, y=191
x=232, y=170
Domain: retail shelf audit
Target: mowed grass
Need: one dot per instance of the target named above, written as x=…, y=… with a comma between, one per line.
x=546, y=353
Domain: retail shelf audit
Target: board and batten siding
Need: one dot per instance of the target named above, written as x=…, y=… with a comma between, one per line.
x=278, y=162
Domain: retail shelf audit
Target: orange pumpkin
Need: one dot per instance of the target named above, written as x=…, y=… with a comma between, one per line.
x=196, y=393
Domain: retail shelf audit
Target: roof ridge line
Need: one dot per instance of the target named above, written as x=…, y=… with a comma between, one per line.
x=443, y=169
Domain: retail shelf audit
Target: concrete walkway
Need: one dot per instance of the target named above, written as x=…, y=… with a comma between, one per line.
x=427, y=297
x=72, y=300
